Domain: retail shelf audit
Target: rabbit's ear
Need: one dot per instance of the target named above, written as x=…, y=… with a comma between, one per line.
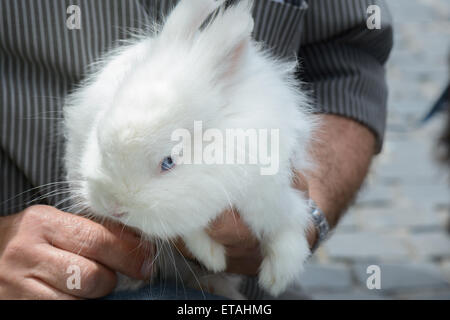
x=226, y=39
x=187, y=17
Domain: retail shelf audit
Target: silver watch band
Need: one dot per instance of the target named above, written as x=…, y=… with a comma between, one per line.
x=320, y=223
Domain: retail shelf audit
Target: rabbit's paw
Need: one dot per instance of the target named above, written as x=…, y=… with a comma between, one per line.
x=272, y=278
x=209, y=252
x=283, y=263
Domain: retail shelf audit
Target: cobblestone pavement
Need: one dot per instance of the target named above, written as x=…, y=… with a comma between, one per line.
x=399, y=220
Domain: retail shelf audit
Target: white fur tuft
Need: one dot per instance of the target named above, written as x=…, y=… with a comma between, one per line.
x=187, y=17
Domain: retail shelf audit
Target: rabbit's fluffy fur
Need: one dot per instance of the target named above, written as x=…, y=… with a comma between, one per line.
x=118, y=127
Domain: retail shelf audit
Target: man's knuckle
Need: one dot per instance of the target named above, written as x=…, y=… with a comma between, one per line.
x=15, y=251
x=38, y=216
x=35, y=213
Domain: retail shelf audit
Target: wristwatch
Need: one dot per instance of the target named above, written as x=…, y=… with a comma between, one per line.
x=320, y=223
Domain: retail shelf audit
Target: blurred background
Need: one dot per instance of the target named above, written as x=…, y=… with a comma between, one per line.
x=400, y=219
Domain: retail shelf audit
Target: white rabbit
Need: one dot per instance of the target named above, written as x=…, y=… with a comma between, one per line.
x=118, y=128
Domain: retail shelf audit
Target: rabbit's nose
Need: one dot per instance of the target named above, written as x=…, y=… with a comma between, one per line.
x=117, y=212
x=120, y=214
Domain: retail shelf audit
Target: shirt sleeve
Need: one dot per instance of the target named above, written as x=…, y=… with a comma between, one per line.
x=342, y=60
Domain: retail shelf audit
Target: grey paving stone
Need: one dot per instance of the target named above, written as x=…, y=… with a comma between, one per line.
x=435, y=295
x=413, y=171
x=348, y=223
x=399, y=217
x=407, y=11
x=431, y=245
x=445, y=267
x=396, y=219
x=363, y=246
x=350, y=295
x=375, y=195
x=330, y=277
x=438, y=195
x=401, y=277
x=411, y=162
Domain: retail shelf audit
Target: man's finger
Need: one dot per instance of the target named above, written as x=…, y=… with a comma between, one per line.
x=244, y=265
x=72, y=274
x=241, y=251
x=116, y=247
x=35, y=289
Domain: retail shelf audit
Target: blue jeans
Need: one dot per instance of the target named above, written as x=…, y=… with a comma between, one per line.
x=159, y=291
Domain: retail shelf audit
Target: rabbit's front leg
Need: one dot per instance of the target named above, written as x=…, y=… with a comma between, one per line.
x=285, y=252
x=284, y=243
x=209, y=252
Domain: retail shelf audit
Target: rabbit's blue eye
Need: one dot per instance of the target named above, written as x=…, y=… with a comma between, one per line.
x=167, y=164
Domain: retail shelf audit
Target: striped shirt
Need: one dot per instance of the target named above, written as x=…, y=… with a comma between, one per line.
x=42, y=58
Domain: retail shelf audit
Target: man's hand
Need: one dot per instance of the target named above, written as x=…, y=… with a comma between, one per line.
x=38, y=245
